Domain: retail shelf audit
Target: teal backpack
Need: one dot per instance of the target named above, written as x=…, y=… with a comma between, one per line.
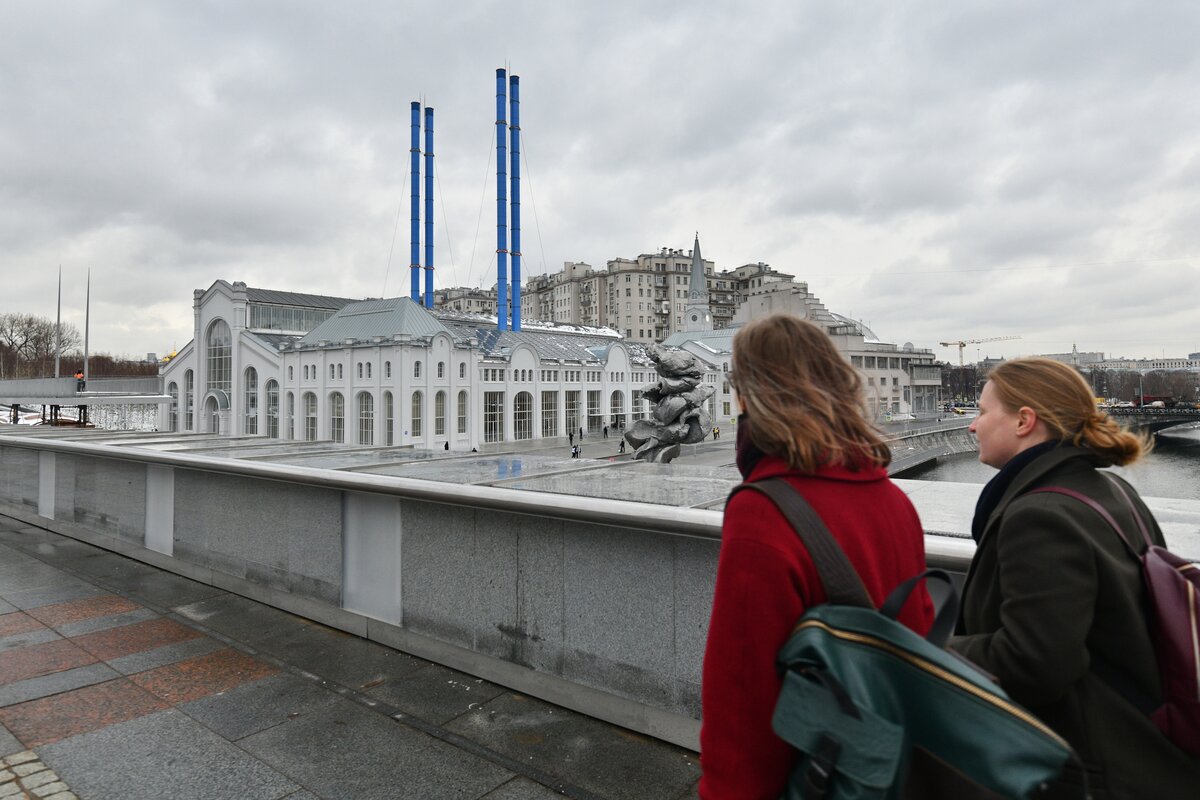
x=877, y=711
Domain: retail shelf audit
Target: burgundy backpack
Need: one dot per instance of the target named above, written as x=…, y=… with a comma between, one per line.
x=1174, y=587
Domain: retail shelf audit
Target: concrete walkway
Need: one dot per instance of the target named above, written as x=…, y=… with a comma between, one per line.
x=118, y=680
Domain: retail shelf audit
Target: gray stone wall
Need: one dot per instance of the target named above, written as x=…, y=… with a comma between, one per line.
x=102, y=494
x=19, y=476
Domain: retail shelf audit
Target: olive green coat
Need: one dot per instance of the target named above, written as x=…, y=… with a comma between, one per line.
x=1051, y=590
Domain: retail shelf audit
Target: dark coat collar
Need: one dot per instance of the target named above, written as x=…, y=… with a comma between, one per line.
x=1031, y=474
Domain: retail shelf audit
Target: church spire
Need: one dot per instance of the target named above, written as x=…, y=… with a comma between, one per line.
x=697, y=314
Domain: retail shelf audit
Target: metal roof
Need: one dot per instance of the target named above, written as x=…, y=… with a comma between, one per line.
x=719, y=341
x=365, y=319
x=272, y=340
x=547, y=344
x=296, y=299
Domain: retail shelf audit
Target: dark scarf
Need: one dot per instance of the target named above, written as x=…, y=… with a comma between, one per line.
x=748, y=454
x=989, y=498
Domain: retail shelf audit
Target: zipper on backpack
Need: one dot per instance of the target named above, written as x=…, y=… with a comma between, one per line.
x=927, y=666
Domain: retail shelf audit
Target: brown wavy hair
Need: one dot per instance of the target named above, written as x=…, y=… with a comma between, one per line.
x=1062, y=399
x=804, y=400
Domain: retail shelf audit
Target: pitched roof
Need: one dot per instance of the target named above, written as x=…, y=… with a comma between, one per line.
x=365, y=319
x=296, y=299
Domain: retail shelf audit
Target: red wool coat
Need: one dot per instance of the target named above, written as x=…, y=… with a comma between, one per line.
x=765, y=582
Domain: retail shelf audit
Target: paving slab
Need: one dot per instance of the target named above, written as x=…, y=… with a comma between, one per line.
x=240, y=618
x=112, y=569
x=254, y=707
x=58, y=550
x=87, y=626
x=435, y=693
x=51, y=719
x=612, y=762
x=45, y=685
x=166, y=590
x=38, y=636
x=349, y=752
x=6, y=608
x=202, y=676
x=8, y=743
x=338, y=656
x=119, y=761
x=161, y=656
x=520, y=788
x=69, y=589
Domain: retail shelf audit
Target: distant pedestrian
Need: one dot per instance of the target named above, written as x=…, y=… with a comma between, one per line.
x=79, y=381
x=605, y=431
x=574, y=451
x=571, y=438
x=447, y=447
x=581, y=433
x=621, y=446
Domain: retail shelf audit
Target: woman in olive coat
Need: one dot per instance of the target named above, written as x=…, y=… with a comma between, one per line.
x=1054, y=604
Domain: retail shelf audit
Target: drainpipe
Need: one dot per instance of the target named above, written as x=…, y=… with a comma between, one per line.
x=515, y=176
x=501, y=207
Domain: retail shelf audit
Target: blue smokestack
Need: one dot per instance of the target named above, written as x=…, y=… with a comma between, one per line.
x=515, y=128
x=429, y=208
x=414, y=263
x=501, y=207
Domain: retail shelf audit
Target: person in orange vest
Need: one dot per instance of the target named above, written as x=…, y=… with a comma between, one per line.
x=79, y=382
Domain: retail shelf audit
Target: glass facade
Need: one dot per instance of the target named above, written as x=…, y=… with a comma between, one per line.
x=417, y=401
x=189, y=399
x=310, y=417
x=594, y=420
x=439, y=414
x=616, y=410
x=286, y=318
x=388, y=420
x=573, y=412
x=173, y=419
x=549, y=414
x=462, y=412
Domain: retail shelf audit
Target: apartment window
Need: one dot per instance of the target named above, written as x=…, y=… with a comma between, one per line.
x=417, y=401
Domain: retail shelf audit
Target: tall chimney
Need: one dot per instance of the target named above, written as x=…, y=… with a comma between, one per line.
x=429, y=208
x=414, y=264
x=515, y=177
x=501, y=206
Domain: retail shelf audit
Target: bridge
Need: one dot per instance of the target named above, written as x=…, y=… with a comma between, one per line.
x=1155, y=419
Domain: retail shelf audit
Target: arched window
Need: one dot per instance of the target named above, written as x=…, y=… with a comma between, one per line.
x=439, y=414
x=616, y=409
x=368, y=369
x=273, y=409
x=388, y=425
x=416, y=369
x=366, y=418
x=291, y=374
x=189, y=399
x=219, y=344
x=417, y=401
x=304, y=371
x=523, y=416
x=310, y=417
x=339, y=371
x=332, y=372
x=173, y=412
x=360, y=369
x=289, y=430
x=462, y=370
x=462, y=411
x=251, y=401
x=337, y=417
x=441, y=369
x=387, y=369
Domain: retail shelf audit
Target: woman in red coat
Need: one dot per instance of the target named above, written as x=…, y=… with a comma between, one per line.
x=802, y=418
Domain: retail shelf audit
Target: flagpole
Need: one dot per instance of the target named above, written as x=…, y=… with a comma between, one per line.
x=87, y=324
x=58, y=324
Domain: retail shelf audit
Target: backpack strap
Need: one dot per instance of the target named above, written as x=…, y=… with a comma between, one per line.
x=1137, y=515
x=841, y=582
x=1094, y=506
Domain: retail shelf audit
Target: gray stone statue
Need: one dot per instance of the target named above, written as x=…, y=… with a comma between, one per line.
x=678, y=416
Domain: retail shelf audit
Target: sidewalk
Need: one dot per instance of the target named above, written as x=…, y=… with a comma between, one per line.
x=118, y=680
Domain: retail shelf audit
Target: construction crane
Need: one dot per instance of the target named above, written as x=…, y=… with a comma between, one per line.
x=961, y=343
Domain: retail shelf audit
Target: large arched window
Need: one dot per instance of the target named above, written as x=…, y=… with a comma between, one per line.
x=523, y=416
x=220, y=356
x=337, y=417
x=366, y=418
x=273, y=409
x=251, y=401
x=173, y=413
x=310, y=417
x=289, y=427
x=388, y=422
x=439, y=414
x=462, y=411
x=616, y=409
x=417, y=402
x=189, y=399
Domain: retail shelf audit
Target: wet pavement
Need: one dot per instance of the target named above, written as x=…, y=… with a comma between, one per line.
x=119, y=680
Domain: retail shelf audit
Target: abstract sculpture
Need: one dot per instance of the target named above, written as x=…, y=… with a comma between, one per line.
x=678, y=416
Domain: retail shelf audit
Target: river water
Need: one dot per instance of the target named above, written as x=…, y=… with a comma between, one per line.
x=1171, y=470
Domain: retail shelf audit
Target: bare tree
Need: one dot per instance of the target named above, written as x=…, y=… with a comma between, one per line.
x=27, y=344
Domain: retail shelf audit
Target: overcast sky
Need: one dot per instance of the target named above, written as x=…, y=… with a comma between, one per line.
x=939, y=170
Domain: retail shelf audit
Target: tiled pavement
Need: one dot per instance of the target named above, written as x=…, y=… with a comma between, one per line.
x=118, y=680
